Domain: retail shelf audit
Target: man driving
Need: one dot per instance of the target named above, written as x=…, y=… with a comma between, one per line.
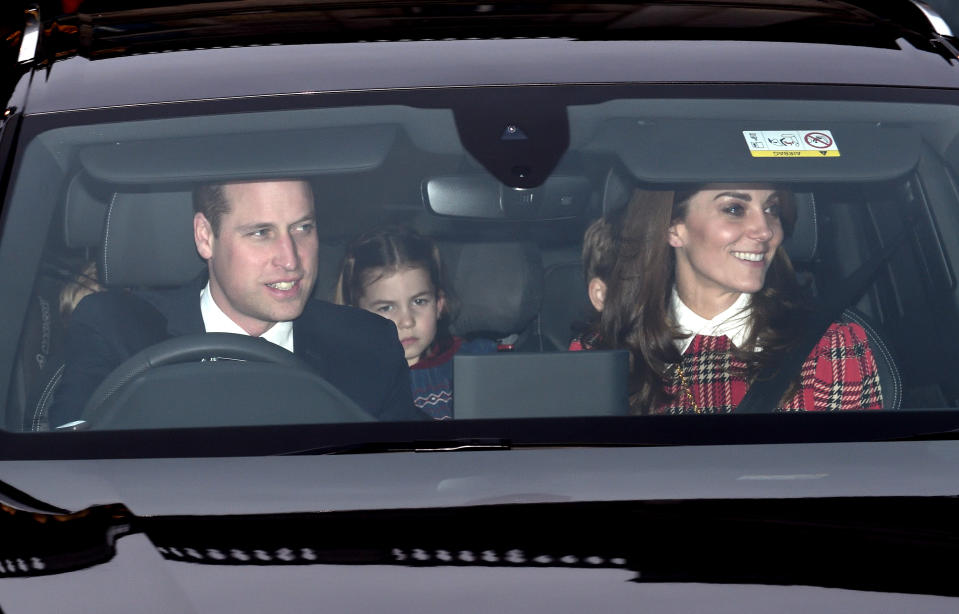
x=260, y=244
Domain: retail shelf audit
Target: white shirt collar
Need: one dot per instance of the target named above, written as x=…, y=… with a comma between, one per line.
x=215, y=321
x=732, y=323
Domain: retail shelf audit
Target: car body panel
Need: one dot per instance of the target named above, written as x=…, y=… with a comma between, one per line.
x=453, y=479
x=79, y=83
x=138, y=579
x=840, y=551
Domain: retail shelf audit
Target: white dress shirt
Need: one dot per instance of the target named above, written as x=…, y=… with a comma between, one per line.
x=215, y=321
x=732, y=323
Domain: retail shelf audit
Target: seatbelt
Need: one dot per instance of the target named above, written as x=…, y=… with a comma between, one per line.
x=770, y=385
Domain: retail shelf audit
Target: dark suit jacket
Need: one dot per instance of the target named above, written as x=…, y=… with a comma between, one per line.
x=356, y=351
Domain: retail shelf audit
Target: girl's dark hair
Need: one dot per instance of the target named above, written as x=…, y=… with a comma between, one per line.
x=636, y=314
x=382, y=252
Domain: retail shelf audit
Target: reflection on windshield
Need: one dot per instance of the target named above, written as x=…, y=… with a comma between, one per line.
x=713, y=256
x=658, y=541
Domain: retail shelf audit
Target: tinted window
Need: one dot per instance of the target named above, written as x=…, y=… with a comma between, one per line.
x=103, y=202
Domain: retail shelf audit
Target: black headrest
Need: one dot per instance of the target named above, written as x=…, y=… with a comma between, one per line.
x=499, y=285
x=83, y=215
x=802, y=244
x=148, y=240
x=617, y=190
x=565, y=304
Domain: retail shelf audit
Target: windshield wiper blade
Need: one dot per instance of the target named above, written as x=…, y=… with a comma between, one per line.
x=15, y=497
x=950, y=435
x=379, y=447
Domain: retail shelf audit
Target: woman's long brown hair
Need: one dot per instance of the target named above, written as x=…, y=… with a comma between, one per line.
x=636, y=314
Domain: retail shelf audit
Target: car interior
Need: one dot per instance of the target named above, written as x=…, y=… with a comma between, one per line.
x=119, y=194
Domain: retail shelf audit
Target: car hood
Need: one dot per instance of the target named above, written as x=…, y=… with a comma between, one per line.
x=796, y=526
x=284, y=484
x=560, y=556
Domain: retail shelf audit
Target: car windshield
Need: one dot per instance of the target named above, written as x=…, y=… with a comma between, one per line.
x=609, y=261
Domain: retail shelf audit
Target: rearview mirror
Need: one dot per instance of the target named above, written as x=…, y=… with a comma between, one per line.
x=481, y=196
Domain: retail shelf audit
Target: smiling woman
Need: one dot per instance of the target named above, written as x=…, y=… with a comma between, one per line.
x=724, y=240
x=705, y=297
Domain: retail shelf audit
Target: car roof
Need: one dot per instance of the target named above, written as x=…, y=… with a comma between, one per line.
x=110, y=27
x=112, y=56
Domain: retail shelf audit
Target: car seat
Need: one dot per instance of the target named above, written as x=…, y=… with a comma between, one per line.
x=81, y=226
x=499, y=288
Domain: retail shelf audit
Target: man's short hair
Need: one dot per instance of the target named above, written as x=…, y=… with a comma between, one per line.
x=599, y=246
x=210, y=200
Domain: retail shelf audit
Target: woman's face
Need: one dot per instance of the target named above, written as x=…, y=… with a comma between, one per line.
x=725, y=244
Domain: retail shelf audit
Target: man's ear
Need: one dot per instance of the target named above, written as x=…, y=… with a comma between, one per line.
x=596, y=288
x=203, y=236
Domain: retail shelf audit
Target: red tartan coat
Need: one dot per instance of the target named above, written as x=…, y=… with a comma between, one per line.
x=839, y=374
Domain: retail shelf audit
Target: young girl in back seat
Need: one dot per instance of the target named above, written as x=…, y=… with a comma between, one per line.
x=397, y=273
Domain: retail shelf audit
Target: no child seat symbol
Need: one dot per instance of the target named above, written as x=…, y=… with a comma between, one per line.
x=818, y=140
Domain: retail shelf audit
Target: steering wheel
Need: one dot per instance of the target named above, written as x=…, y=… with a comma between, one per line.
x=216, y=347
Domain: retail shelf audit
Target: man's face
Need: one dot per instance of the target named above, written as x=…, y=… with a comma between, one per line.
x=263, y=261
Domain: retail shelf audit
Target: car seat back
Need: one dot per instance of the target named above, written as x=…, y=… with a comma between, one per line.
x=42, y=346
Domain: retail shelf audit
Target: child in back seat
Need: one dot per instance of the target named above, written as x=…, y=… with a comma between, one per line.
x=80, y=285
x=599, y=257
x=395, y=272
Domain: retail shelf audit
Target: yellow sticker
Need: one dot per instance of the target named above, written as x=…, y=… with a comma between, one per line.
x=791, y=144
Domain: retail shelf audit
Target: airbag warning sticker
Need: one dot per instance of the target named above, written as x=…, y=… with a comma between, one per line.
x=791, y=144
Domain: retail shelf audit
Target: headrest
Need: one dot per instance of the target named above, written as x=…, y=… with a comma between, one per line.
x=328, y=273
x=499, y=286
x=83, y=215
x=617, y=190
x=148, y=240
x=802, y=244
x=565, y=304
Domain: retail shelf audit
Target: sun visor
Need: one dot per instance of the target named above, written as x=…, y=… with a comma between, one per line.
x=684, y=151
x=240, y=156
